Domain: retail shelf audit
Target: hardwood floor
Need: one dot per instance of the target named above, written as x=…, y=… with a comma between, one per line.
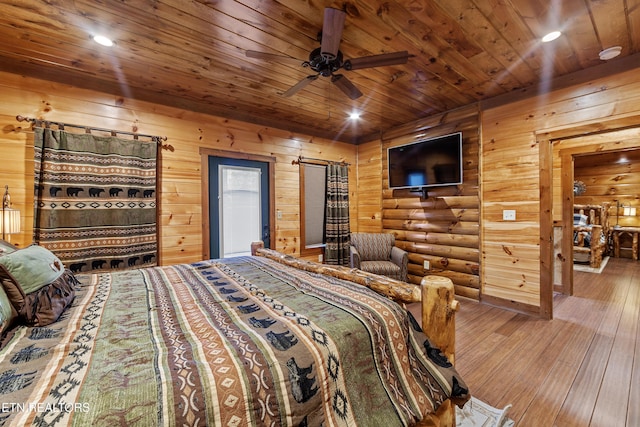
x=580, y=369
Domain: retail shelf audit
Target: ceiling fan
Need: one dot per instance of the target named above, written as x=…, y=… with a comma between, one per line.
x=327, y=59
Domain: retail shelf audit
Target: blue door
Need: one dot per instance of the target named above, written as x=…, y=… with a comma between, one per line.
x=238, y=205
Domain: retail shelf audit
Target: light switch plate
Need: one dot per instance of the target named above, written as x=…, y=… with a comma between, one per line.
x=509, y=215
x=426, y=264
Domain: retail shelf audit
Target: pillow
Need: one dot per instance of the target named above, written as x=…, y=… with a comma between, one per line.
x=579, y=219
x=37, y=285
x=6, y=247
x=7, y=313
x=32, y=267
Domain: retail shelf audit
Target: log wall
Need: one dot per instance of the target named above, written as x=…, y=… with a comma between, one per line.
x=444, y=227
x=180, y=177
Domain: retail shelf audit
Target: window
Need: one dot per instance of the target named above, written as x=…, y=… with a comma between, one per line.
x=312, y=209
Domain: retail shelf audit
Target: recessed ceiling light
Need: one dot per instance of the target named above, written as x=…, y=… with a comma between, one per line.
x=623, y=159
x=551, y=36
x=610, y=53
x=354, y=116
x=104, y=41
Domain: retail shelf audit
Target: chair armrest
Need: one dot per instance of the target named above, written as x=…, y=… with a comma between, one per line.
x=400, y=257
x=354, y=257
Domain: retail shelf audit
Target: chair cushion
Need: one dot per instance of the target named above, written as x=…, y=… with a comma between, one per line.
x=373, y=246
x=384, y=268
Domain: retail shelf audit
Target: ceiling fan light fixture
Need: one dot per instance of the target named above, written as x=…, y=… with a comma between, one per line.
x=610, y=53
x=549, y=37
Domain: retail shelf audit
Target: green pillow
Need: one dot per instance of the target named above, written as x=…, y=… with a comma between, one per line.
x=6, y=312
x=32, y=267
x=6, y=247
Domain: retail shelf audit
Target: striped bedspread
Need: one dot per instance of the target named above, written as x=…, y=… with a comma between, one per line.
x=236, y=342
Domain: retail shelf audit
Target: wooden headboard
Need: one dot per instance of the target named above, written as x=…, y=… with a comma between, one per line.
x=596, y=215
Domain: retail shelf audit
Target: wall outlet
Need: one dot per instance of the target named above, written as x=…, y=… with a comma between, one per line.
x=279, y=214
x=320, y=258
x=509, y=215
x=426, y=264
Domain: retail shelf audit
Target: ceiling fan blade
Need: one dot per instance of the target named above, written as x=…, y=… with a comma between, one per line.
x=345, y=85
x=332, y=32
x=302, y=83
x=272, y=57
x=377, y=60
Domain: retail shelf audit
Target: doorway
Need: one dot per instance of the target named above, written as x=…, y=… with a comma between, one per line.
x=237, y=203
x=556, y=160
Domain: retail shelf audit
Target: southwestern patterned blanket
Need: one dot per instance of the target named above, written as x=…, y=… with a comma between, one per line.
x=236, y=342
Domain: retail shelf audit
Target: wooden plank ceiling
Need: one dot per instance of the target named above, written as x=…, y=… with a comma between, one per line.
x=191, y=54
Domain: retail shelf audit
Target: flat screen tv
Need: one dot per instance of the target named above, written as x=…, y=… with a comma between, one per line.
x=433, y=162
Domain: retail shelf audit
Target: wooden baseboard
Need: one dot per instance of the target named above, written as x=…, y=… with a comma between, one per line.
x=528, y=309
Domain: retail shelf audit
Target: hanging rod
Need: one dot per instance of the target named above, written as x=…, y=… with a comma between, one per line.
x=312, y=160
x=157, y=139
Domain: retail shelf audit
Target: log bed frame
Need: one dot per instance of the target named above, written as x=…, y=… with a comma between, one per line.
x=435, y=293
x=597, y=226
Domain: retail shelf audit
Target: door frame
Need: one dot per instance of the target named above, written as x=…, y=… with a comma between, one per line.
x=219, y=229
x=205, y=153
x=545, y=140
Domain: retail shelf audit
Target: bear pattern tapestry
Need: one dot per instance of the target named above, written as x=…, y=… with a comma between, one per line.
x=95, y=200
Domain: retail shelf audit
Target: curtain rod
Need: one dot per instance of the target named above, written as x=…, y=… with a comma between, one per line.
x=312, y=160
x=157, y=139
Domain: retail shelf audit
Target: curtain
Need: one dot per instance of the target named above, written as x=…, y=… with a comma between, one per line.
x=337, y=231
x=95, y=200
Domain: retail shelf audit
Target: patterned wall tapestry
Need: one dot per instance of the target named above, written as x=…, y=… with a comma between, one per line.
x=95, y=200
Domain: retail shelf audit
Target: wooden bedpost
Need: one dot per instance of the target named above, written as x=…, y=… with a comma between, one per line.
x=255, y=246
x=439, y=308
x=438, y=313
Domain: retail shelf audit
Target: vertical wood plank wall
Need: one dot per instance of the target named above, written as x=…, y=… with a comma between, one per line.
x=180, y=207
x=444, y=227
x=511, y=177
x=369, y=187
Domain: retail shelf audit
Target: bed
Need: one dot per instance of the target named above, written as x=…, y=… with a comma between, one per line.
x=257, y=340
x=590, y=233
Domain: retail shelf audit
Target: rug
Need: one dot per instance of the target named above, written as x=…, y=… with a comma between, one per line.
x=587, y=269
x=476, y=413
